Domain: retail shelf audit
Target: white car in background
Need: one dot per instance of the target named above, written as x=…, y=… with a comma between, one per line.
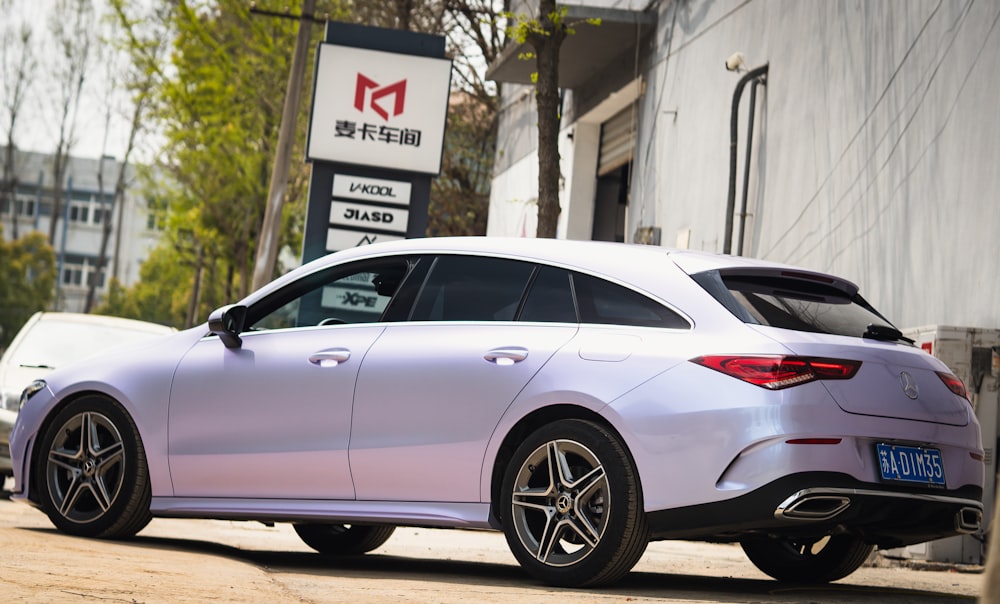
x=50, y=340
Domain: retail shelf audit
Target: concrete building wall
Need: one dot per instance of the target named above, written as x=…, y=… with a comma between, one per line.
x=78, y=245
x=874, y=145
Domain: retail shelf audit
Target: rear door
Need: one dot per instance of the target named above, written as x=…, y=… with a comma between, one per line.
x=434, y=386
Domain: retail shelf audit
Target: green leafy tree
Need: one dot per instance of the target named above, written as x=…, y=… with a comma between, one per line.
x=17, y=64
x=221, y=117
x=27, y=281
x=218, y=106
x=460, y=196
x=141, y=44
x=546, y=33
x=71, y=25
x=162, y=294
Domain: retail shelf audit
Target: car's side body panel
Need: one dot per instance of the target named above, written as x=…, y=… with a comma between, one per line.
x=278, y=407
x=139, y=379
x=401, y=513
x=429, y=396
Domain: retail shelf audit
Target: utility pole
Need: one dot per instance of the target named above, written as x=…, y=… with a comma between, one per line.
x=270, y=231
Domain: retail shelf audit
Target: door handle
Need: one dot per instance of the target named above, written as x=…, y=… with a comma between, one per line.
x=507, y=355
x=330, y=357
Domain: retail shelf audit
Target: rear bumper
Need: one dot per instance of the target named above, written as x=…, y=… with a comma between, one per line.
x=820, y=503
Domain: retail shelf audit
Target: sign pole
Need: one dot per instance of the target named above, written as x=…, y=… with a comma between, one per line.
x=267, y=245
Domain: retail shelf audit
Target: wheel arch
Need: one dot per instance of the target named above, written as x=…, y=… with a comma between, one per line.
x=528, y=424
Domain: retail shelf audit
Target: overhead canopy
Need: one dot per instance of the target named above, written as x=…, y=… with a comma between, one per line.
x=584, y=54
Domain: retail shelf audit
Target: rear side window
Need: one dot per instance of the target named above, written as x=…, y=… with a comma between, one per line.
x=550, y=299
x=607, y=303
x=792, y=303
x=559, y=296
x=472, y=288
x=479, y=288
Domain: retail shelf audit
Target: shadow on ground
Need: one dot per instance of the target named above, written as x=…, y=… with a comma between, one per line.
x=669, y=586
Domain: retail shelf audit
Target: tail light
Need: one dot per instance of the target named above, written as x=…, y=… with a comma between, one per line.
x=954, y=384
x=777, y=372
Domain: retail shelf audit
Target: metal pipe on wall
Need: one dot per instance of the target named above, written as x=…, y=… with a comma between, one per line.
x=746, y=163
x=727, y=242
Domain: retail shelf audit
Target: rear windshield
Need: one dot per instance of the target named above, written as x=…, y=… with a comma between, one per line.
x=792, y=303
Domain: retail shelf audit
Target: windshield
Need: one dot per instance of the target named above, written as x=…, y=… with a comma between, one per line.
x=792, y=303
x=57, y=343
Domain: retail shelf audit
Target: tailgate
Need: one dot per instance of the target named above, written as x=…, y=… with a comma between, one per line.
x=895, y=380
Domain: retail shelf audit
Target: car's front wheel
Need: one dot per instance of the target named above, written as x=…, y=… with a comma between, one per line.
x=343, y=539
x=808, y=560
x=572, y=505
x=91, y=471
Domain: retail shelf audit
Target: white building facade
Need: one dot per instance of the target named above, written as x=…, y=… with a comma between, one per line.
x=80, y=224
x=872, y=151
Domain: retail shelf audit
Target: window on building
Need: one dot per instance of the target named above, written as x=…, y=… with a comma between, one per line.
x=25, y=207
x=156, y=214
x=72, y=275
x=79, y=211
x=79, y=270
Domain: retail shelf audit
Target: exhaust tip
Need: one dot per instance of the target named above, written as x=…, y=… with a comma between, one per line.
x=813, y=507
x=968, y=520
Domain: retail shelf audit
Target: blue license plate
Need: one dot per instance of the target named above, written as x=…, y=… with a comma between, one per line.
x=910, y=464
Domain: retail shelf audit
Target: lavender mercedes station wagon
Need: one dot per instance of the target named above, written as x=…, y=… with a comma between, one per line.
x=583, y=398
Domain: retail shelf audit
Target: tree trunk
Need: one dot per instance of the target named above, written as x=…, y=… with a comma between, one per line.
x=547, y=101
x=10, y=185
x=192, y=311
x=58, y=171
x=106, y=213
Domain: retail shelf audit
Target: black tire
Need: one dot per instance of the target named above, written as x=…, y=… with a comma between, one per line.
x=571, y=506
x=808, y=560
x=91, y=471
x=342, y=539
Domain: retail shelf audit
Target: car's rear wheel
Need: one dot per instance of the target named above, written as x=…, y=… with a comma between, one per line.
x=572, y=506
x=91, y=471
x=343, y=539
x=808, y=560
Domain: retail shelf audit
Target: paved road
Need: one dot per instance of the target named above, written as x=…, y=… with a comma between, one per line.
x=197, y=560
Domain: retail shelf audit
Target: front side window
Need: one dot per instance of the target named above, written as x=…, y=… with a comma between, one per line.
x=356, y=293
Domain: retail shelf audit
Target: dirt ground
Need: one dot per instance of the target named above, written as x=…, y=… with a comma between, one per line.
x=198, y=560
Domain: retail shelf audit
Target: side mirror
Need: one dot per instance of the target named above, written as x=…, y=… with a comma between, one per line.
x=227, y=323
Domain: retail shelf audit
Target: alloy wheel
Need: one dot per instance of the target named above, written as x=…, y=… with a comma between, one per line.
x=85, y=467
x=560, y=502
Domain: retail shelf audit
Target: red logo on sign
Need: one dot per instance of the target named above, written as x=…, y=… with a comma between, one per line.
x=397, y=90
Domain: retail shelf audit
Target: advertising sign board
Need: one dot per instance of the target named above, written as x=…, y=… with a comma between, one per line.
x=364, y=210
x=378, y=108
